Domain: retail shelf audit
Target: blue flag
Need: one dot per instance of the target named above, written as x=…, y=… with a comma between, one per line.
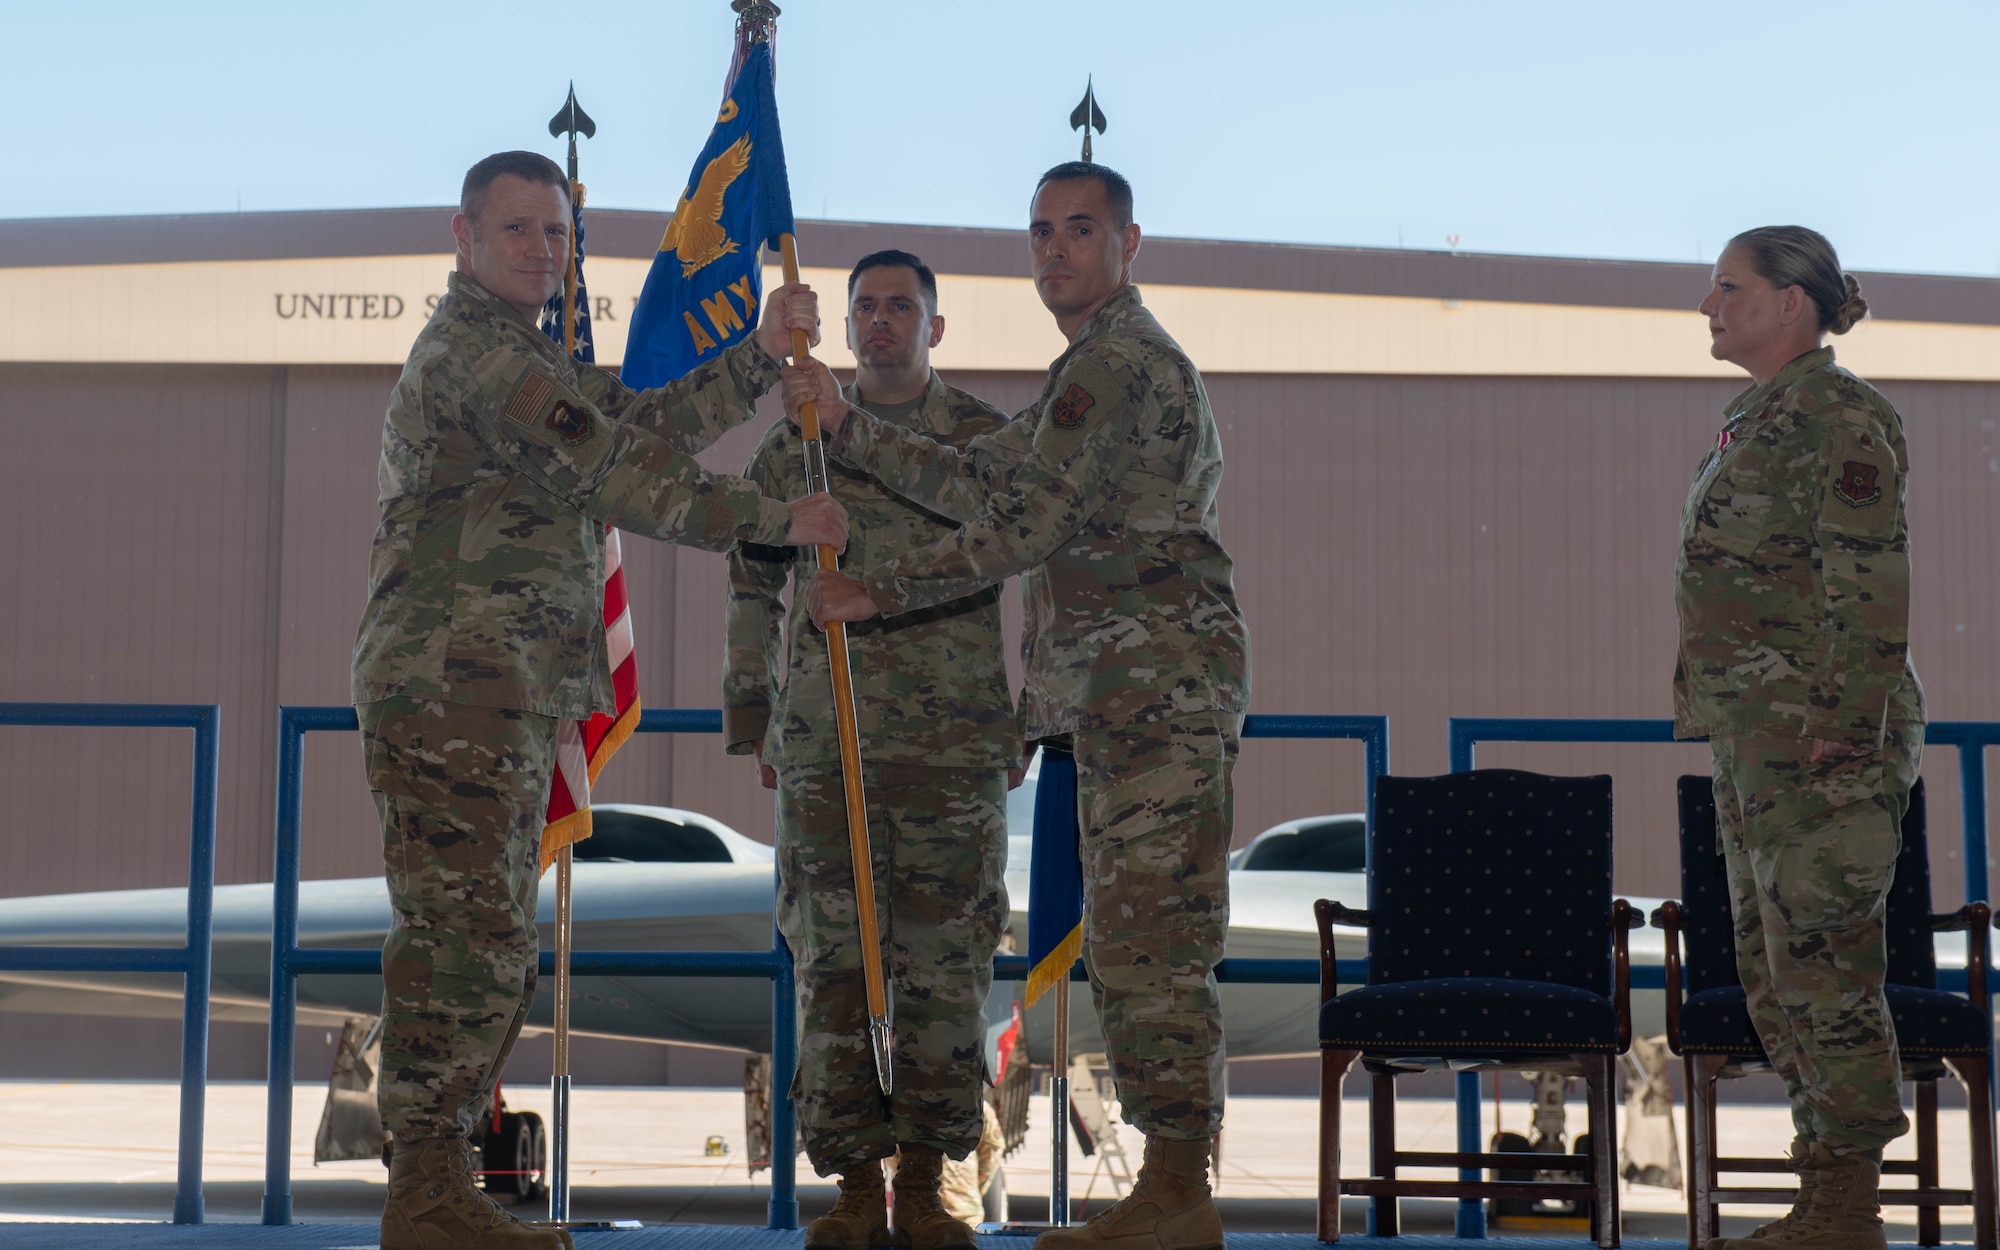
x=1055, y=876
x=708, y=280
x=552, y=312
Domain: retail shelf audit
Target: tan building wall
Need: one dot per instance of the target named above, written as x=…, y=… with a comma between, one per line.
x=1423, y=547
x=1430, y=536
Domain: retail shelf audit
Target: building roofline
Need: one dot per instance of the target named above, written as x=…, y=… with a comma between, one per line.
x=1407, y=272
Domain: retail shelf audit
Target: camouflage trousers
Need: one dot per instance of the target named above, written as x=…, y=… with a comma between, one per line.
x=1157, y=810
x=462, y=793
x=1811, y=850
x=938, y=839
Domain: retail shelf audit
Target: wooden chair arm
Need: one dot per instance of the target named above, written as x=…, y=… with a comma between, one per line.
x=1667, y=917
x=1328, y=913
x=1341, y=913
x=1624, y=919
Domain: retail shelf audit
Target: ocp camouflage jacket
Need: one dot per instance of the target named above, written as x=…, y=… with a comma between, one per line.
x=930, y=686
x=1793, y=583
x=1102, y=496
x=502, y=461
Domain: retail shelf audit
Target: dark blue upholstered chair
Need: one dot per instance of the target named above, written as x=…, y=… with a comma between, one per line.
x=1709, y=1026
x=1492, y=938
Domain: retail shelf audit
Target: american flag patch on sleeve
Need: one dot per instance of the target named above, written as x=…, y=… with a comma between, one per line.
x=529, y=398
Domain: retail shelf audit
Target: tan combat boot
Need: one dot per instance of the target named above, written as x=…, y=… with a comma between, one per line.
x=920, y=1213
x=435, y=1204
x=860, y=1217
x=1169, y=1208
x=1807, y=1169
x=1846, y=1210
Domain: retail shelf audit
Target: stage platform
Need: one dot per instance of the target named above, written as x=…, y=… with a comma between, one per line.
x=672, y=1237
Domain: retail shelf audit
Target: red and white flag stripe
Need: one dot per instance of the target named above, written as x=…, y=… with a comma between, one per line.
x=583, y=747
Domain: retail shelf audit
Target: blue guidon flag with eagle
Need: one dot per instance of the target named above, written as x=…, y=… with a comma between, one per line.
x=703, y=292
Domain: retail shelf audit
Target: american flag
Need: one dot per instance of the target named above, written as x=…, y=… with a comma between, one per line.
x=583, y=747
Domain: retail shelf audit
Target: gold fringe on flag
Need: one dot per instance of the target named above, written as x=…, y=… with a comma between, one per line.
x=614, y=737
x=1055, y=965
x=575, y=827
x=568, y=831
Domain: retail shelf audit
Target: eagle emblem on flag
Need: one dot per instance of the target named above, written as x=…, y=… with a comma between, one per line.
x=695, y=235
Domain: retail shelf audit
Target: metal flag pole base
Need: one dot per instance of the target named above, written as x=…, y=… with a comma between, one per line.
x=1058, y=1130
x=559, y=1083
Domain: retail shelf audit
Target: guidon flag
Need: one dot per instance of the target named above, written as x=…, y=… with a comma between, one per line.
x=707, y=281
x=1055, y=876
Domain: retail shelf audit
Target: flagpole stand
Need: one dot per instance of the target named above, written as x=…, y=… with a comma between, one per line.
x=1059, y=1111
x=1058, y=1129
x=559, y=1081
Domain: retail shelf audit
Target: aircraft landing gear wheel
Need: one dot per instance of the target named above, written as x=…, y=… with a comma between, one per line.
x=514, y=1160
x=1510, y=1143
x=1581, y=1152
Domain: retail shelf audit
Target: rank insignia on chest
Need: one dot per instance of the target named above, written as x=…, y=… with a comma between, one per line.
x=569, y=424
x=1857, y=485
x=1075, y=402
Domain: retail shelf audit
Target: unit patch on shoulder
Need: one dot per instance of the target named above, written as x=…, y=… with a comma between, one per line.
x=529, y=398
x=1070, y=409
x=569, y=424
x=1858, y=486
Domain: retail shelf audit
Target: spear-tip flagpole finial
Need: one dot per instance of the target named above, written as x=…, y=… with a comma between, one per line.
x=571, y=120
x=1086, y=116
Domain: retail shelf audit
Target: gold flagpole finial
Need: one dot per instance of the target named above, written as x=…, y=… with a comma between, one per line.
x=754, y=18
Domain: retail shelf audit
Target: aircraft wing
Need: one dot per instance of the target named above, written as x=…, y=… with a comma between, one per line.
x=634, y=906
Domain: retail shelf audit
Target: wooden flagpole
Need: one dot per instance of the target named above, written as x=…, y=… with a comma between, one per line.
x=880, y=1033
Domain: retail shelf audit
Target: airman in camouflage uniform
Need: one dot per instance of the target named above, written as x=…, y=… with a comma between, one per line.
x=938, y=737
x=1102, y=496
x=502, y=461
x=1793, y=595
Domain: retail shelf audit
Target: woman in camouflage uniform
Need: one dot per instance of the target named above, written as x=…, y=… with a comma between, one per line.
x=1793, y=591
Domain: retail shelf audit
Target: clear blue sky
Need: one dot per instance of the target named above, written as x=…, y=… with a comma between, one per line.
x=1622, y=130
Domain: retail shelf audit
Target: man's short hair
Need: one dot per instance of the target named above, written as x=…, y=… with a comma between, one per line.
x=1116, y=189
x=891, y=256
x=529, y=166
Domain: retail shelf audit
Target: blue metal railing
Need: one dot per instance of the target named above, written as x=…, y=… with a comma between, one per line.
x=1970, y=737
x=193, y=958
x=289, y=960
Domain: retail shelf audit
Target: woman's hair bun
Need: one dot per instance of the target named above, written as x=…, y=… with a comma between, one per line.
x=1795, y=256
x=1851, y=310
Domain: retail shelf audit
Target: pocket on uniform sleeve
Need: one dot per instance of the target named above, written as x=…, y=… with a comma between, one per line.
x=1863, y=485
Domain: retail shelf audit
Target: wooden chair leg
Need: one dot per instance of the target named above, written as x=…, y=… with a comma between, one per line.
x=1930, y=1220
x=1382, y=1148
x=1601, y=1097
x=1333, y=1066
x=1975, y=1076
x=1703, y=1214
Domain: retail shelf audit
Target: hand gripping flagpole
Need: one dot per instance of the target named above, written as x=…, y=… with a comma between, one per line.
x=880, y=1034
